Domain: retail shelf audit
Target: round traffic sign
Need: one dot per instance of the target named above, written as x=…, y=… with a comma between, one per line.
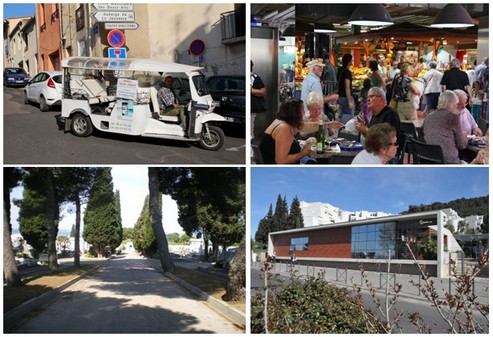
x=197, y=47
x=116, y=38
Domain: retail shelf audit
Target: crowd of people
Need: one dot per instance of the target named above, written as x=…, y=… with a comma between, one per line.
x=449, y=106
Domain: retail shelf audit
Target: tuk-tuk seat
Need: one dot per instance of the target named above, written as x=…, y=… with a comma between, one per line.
x=155, y=106
x=94, y=89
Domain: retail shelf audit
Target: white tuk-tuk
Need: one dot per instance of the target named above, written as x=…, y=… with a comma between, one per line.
x=121, y=96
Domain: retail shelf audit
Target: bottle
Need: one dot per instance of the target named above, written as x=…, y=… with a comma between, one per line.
x=320, y=137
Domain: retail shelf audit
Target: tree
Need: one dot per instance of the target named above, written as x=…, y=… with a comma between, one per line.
x=77, y=182
x=156, y=222
x=41, y=188
x=102, y=223
x=280, y=218
x=32, y=218
x=144, y=239
x=264, y=226
x=295, y=217
x=235, y=289
x=11, y=178
x=211, y=202
x=128, y=234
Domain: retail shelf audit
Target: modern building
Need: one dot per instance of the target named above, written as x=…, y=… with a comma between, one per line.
x=319, y=213
x=372, y=242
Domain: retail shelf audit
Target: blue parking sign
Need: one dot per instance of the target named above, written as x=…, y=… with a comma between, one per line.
x=118, y=53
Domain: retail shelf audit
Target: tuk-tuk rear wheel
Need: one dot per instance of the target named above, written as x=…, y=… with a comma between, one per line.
x=81, y=125
x=214, y=140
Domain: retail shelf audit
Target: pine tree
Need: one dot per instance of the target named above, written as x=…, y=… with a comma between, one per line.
x=295, y=218
x=102, y=224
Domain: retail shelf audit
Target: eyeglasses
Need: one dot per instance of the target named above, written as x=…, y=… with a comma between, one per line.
x=373, y=96
x=395, y=144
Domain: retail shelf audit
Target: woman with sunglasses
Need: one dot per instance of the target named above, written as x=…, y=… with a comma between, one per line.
x=380, y=146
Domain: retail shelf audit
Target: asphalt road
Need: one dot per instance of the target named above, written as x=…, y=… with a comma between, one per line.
x=127, y=295
x=33, y=137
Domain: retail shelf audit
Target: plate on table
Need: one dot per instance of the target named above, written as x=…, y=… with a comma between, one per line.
x=476, y=141
x=351, y=146
x=335, y=141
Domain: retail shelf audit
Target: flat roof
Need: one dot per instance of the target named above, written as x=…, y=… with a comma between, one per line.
x=395, y=217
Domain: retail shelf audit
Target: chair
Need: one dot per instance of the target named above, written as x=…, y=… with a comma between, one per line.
x=257, y=154
x=483, y=125
x=407, y=132
x=427, y=153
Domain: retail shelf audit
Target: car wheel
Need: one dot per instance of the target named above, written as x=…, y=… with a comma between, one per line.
x=43, y=106
x=81, y=125
x=212, y=140
x=26, y=100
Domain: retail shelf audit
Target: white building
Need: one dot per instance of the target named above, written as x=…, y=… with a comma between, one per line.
x=318, y=213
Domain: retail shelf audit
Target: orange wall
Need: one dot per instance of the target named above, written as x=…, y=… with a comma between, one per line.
x=49, y=48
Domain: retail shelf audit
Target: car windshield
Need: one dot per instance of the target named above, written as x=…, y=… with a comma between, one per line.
x=16, y=71
x=201, y=85
x=224, y=84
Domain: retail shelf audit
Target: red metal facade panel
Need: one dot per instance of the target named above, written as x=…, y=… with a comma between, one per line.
x=327, y=242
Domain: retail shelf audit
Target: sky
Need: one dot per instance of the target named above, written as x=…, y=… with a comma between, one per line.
x=11, y=10
x=387, y=189
x=131, y=181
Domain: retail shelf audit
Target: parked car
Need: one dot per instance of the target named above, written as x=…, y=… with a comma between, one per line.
x=229, y=90
x=15, y=76
x=45, y=89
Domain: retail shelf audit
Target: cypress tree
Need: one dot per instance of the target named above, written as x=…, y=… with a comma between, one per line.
x=102, y=223
x=295, y=218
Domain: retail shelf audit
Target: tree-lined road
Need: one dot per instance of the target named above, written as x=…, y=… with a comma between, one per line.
x=126, y=295
x=33, y=137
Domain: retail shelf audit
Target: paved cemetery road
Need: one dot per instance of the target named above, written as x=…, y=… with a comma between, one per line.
x=127, y=295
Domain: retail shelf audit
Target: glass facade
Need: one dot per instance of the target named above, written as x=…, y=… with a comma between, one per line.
x=373, y=241
x=298, y=244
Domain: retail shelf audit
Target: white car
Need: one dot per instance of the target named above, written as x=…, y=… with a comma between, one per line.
x=45, y=89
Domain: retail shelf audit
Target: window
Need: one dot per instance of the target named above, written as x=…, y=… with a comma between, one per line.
x=298, y=244
x=373, y=241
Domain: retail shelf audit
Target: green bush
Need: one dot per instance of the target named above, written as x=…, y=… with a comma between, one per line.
x=311, y=306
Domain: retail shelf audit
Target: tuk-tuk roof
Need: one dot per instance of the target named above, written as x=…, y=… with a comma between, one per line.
x=127, y=64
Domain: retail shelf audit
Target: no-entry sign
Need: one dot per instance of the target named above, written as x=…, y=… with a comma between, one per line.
x=116, y=38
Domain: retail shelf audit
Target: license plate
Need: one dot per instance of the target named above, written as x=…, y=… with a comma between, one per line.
x=230, y=119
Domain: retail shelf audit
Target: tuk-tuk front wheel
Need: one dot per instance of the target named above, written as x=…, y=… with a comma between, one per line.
x=81, y=125
x=212, y=140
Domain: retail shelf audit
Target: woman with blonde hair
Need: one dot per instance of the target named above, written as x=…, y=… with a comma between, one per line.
x=315, y=104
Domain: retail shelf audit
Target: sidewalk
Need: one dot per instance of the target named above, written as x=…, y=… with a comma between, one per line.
x=220, y=306
x=348, y=278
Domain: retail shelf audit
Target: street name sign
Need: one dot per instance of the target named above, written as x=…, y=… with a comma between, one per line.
x=121, y=25
x=108, y=16
x=114, y=7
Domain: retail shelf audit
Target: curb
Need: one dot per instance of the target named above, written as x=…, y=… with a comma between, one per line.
x=231, y=313
x=14, y=315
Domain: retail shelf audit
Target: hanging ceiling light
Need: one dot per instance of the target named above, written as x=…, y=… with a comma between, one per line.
x=324, y=28
x=370, y=15
x=452, y=16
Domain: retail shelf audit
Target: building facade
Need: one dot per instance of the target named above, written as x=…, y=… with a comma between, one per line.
x=164, y=31
x=49, y=36
x=373, y=241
